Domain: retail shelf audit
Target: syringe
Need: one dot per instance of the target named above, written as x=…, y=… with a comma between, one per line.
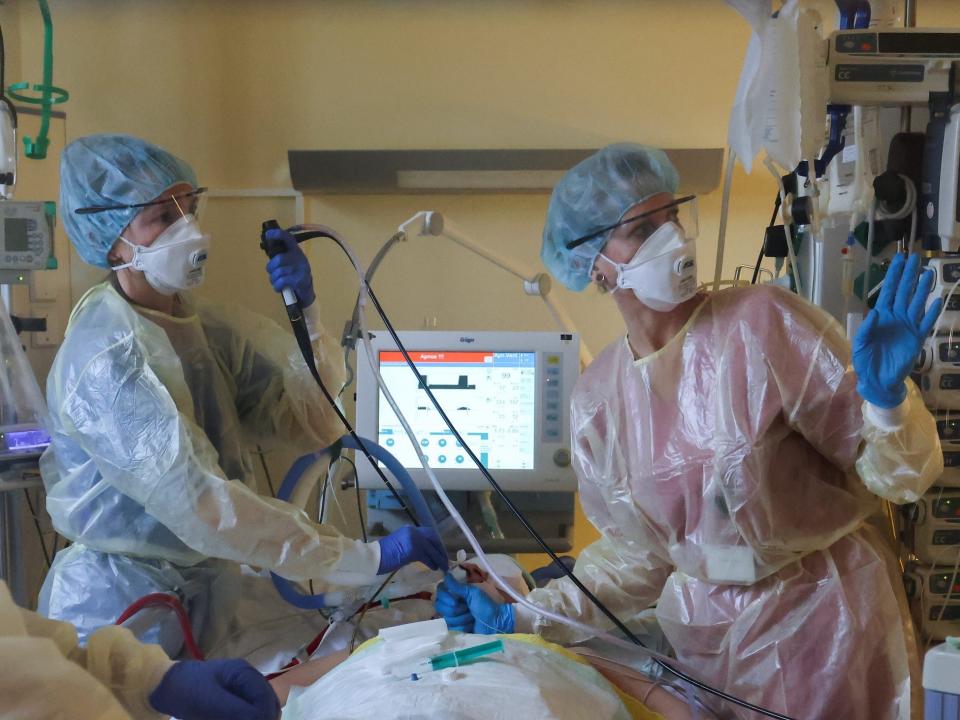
x=456, y=658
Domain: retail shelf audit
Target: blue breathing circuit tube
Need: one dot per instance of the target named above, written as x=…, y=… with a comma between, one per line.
x=288, y=590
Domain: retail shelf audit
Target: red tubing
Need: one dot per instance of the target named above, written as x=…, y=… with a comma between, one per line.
x=168, y=601
x=312, y=646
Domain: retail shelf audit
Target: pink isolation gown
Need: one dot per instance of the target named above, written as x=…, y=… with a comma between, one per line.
x=730, y=475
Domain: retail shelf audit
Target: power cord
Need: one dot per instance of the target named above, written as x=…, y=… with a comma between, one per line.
x=302, y=335
x=356, y=487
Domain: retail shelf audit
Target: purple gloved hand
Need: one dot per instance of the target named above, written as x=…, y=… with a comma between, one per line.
x=411, y=544
x=215, y=690
x=291, y=269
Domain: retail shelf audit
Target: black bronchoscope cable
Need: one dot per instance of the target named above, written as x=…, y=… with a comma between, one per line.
x=302, y=334
x=307, y=349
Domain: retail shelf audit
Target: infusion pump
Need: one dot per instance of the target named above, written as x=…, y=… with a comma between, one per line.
x=26, y=239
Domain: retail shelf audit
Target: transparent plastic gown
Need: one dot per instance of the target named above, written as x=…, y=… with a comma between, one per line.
x=147, y=471
x=730, y=475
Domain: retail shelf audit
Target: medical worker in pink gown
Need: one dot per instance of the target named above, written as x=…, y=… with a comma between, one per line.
x=730, y=454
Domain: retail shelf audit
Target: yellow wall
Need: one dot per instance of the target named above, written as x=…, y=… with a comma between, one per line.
x=232, y=86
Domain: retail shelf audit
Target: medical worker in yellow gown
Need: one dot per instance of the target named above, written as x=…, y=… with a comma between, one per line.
x=155, y=397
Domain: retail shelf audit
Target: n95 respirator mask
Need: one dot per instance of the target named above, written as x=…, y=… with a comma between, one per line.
x=663, y=272
x=175, y=260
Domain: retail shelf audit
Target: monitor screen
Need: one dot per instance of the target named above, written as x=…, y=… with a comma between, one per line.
x=16, y=235
x=21, y=438
x=490, y=396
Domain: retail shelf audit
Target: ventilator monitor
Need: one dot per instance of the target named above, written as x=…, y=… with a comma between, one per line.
x=507, y=393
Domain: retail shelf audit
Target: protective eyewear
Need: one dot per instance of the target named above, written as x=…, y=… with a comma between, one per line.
x=189, y=199
x=686, y=217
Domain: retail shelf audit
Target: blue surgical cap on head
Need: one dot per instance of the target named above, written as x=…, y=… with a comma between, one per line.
x=594, y=194
x=112, y=170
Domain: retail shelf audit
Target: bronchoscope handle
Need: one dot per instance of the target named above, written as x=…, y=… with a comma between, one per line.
x=273, y=247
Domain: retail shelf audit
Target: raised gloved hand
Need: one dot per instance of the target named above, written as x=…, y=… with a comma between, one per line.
x=888, y=342
x=215, y=690
x=291, y=268
x=410, y=544
x=468, y=609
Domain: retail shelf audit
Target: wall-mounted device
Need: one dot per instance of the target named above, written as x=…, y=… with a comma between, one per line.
x=26, y=239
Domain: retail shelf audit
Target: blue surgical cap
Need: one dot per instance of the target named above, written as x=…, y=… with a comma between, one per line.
x=595, y=194
x=112, y=170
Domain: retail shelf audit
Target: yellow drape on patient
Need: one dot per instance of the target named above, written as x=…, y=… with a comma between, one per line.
x=637, y=710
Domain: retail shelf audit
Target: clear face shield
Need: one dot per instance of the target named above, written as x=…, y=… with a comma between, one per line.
x=173, y=206
x=682, y=211
x=663, y=271
x=184, y=205
x=176, y=217
x=176, y=258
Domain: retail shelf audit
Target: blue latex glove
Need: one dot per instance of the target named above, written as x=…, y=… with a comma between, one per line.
x=215, y=690
x=410, y=544
x=890, y=339
x=468, y=609
x=291, y=269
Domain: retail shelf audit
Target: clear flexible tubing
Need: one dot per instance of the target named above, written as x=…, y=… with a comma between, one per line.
x=663, y=661
x=458, y=519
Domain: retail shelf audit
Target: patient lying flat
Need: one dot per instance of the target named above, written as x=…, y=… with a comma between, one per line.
x=529, y=678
